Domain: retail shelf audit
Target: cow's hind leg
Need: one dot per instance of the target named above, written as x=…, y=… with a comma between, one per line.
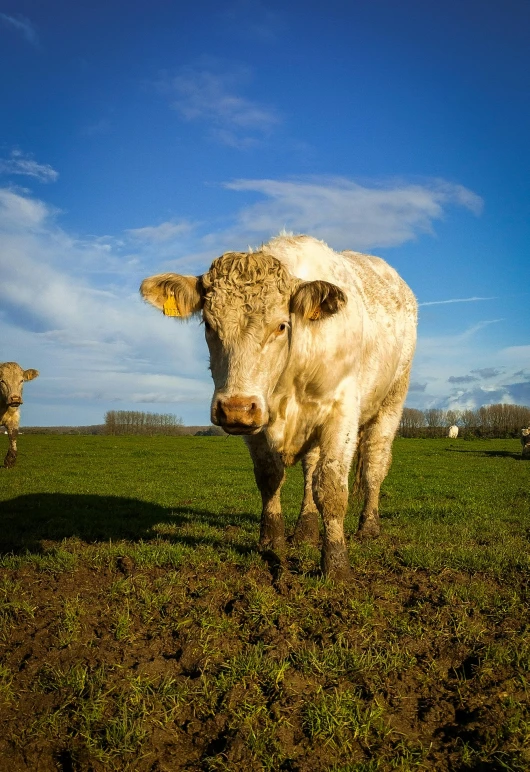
x=307, y=528
x=269, y=471
x=375, y=455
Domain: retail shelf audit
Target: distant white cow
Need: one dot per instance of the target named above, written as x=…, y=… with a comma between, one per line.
x=453, y=432
x=525, y=442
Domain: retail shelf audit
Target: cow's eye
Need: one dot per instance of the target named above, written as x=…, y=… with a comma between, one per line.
x=282, y=327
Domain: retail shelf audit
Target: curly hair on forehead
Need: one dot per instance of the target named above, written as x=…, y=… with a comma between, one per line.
x=242, y=271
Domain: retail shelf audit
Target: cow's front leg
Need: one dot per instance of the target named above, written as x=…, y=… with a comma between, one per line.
x=330, y=489
x=269, y=471
x=307, y=529
x=11, y=455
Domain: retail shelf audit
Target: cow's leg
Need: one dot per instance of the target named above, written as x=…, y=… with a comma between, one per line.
x=330, y=491
x=375, y=454
x=269, y=471
x=306, y=529
x=11, y=455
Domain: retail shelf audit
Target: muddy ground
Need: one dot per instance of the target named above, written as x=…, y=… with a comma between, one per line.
x=244, y=666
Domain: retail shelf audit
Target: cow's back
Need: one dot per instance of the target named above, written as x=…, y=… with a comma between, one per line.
x=372, y=340
x=370, y=277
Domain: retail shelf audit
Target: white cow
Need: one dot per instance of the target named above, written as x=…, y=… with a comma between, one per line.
x=309, y=350
x=453, y=432
x=525, y=442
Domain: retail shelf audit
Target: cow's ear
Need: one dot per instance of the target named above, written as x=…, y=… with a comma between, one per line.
x=29, y=375
x=173, y=294
x=317, y=299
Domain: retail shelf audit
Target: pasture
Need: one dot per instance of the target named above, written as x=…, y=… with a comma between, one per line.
x=141, y=630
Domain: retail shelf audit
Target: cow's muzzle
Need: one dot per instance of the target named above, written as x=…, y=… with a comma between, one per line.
x=15, y=402
x=239, y=415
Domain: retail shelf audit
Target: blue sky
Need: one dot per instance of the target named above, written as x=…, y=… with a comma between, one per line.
x=139, y=137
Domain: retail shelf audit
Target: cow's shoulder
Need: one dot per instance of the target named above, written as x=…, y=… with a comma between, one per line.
x=380, y=284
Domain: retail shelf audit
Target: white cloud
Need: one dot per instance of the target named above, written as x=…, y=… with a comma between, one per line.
x=464, y=371
x=208, y=94
x=166, y=231
x=23, y=25
x=18, y=163
x=20, y=212
x=70, y=307
x=345, y=213
x=516, y=355
x=93, y=344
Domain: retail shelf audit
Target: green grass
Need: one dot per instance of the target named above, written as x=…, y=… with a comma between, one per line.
x=140, y=627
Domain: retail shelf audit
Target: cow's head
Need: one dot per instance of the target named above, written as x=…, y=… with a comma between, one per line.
x=12, y=378
x=249, y=304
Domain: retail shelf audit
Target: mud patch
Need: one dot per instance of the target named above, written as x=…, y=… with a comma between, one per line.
x=238, y=665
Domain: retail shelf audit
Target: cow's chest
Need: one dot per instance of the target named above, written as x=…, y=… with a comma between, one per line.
x=295, y=428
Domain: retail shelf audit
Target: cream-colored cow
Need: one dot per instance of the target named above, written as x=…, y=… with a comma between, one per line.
x=453, y=432
x=309, y=350
x=525, y=442
x=12, y=378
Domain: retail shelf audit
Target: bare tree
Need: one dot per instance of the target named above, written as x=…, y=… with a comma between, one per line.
x=435, y=418
x=411, y=421
x=137, y=422
x=453, y=417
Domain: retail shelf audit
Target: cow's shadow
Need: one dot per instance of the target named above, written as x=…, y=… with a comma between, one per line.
x=27, y=522
x=489, y=453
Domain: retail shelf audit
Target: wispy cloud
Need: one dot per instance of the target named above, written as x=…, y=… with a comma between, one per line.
x=18, y=163
x=166, y=231
x=345, y=213
x=208, y=94
x=454, y=300
x=21, y=24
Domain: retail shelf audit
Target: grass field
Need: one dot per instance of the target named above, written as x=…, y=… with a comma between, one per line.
x=141, y=630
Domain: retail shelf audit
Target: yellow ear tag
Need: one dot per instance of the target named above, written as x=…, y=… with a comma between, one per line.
x=317, y=313
x=170, y=307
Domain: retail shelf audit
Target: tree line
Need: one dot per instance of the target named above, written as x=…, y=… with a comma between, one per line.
x=137, y=422
x=495, y=421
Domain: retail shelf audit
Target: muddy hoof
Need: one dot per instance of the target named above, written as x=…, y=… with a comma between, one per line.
x=368, y=532
x=335, y=564
x=276, y=545
x=306, y=530
x=309, y=536
x=9, y=460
